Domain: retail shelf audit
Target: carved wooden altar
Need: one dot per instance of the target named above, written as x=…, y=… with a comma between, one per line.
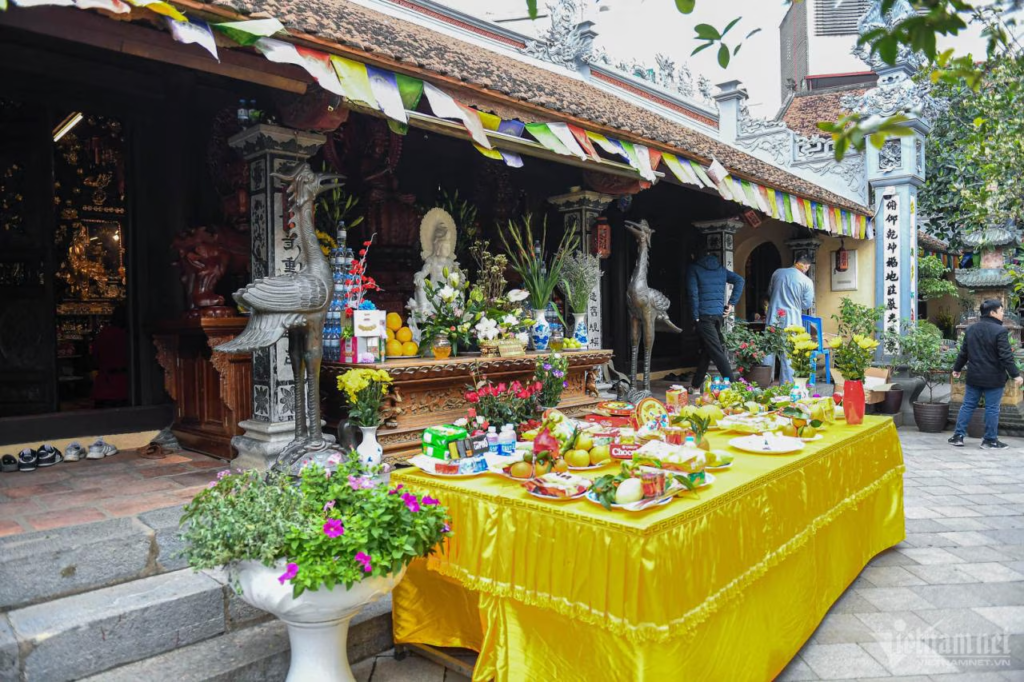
x=431, y=392
x=212, y=392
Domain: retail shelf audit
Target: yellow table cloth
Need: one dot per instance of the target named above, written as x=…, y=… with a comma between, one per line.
x=725, y=583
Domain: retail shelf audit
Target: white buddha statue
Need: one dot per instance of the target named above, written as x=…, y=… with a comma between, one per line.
x=437, y=240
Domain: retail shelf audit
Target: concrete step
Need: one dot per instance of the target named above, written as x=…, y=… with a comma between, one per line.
x=255, y=654
x=45, y=565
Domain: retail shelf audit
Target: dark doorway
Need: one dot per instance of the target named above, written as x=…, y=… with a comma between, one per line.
x=761, y=264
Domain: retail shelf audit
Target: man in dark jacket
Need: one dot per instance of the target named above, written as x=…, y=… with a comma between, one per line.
x=989, y=360
x=706, y=283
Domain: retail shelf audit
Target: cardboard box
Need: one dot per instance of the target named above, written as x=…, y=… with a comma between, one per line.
x=877, y=381
x=436, y=440
x=370, y=323
x=363, y=350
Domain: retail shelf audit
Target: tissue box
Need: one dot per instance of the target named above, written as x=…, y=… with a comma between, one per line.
x=370, y=323
x=436, y=440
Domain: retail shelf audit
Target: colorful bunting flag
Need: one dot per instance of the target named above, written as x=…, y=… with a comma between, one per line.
x=584, y=141
x=568, y=140
x=543, y=134
x=316, y=64
x=719, y=176
x=682, y=171
x=609, y=145
x=355, y=82
x=492, y=122
x=698, y=170
x=112, y=6
x=773, y=203
x=443, y=106
x=195, y=31
x=644, y=165
x=250, y=31
x=384, y=87
x=411, y=91
x=655, y=157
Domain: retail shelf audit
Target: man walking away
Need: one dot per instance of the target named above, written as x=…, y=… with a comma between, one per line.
x=705, y=283
x=790, y=293
x=989, y=360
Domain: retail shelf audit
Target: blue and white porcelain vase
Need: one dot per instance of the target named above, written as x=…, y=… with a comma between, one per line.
x=579, y=331
x=540, y=334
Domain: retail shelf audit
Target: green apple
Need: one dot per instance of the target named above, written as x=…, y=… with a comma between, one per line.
x=600, y=453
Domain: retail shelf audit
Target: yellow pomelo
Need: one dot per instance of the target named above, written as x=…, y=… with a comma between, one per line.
x=394, y=347
x=394, y=321
x=404, y=334
x=410, y=348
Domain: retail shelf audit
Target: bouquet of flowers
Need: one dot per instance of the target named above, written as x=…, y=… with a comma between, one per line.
x=799, y=346
x=449, y=314
x=365, y=389
x=504, y=403
x=550, y=373
x=747, y=347
x=333, y=528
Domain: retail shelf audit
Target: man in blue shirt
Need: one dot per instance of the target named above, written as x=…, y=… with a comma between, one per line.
x=706, y=283
x=790, y=293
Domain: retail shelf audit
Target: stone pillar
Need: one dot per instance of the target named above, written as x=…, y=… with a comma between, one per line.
x=580, y=209
x=270, y=149
x=730, y=98
x=720, y=241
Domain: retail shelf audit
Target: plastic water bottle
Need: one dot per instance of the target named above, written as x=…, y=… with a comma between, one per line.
x=716, y=386
x=794, y=394
x=726, y=384
x=492, y=440
x=507, y=441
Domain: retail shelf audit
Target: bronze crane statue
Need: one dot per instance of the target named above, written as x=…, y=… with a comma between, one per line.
x=295, y=303
x=648, y=311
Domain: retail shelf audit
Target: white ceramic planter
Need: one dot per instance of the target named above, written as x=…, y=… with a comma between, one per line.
x=317, y=621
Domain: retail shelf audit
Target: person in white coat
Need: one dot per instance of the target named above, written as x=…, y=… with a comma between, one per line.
x=790, y=293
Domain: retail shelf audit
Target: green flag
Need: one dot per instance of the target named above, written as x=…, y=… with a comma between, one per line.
x=246, y=33
x=542, y=133
x=411, y=90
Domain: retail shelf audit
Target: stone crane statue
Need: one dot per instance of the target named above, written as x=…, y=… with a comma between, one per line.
x=295, y=304
x=648, y=310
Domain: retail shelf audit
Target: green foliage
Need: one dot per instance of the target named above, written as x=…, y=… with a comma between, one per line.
x=976, y=153
x=334, y=206
x=712, y=36
x=539, y=278
x=854, y=318
x=748, y=348
x=244, y=517
x=919, y=348
x=581, y=273
x=1016, y=272
x=452, y=314
x=365, y=390
x=464, y=214
x=551, y=373
x=932, y=280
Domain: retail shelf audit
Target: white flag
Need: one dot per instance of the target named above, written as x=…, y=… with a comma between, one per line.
x=718, y=174
x=444, y=106
x=316, y=64
x=565, y=136
x=385, y=89
x=643, y=155
x=114, y=6
x=194, y=31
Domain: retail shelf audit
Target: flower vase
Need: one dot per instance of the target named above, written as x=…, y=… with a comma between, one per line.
x=370, y=451
x=540, y=333
x=853, y=401
x=317, y=620
x=580, y=332
x=801, y=386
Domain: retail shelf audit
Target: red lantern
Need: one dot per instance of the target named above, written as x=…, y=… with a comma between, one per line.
x=842, y=257
x=601, y=238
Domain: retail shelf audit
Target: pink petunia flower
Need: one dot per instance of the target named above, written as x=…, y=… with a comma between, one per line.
x=364, y=559
x=411, y=502
x=334, y=460
x=290, y=572
x=446, y=528
x=211, y=484
x=430, y=501
x=394, y=491
x=333, y=528
x=222, y=474
x=361, y=482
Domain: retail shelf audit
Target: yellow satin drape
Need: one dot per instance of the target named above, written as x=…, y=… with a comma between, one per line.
x=724, y=584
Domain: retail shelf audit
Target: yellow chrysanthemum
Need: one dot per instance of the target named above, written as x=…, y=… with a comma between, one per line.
x=835, y=342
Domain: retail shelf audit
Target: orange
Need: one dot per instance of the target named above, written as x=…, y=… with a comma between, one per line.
x=394, y=348
x=410, y=348
x=394, y=321
x=391, y=334
x=404, y=334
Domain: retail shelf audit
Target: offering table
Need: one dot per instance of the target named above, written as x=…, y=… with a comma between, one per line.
x=723, y=584
x=432, y=392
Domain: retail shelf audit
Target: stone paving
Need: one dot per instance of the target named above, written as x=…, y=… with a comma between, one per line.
x=920, y=612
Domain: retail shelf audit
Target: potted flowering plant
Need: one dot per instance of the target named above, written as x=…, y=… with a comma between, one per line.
x=852, y=351
x=449, y=316
x=748, y=350
x=314, y=553
x=503, y=403
x=799, y=346
x=365, y=390
x=550, y=373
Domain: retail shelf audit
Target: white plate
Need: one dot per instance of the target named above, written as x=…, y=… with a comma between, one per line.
x=817, y=436
x=426, y=465
x=592, y=466
x=720, y=468
x=590, y=496
x=555, y=499
x=780, y=444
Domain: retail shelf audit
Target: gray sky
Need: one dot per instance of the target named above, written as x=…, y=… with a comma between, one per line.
x=643, y=28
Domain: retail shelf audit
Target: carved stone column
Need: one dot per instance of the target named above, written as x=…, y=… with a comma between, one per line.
x=810, y=246
x=720, y=241
x=580, y=209
x=270, y=149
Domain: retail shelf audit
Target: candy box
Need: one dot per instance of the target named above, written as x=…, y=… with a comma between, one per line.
x=675, y=398
x=436, y=440
x=623, y=450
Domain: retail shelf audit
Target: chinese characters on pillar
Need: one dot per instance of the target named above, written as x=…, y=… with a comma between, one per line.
x=913, y=259
x=890, y=229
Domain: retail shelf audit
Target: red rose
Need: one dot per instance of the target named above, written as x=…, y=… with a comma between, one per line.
x=743, y=346
x=473, y=397
x=501, y=388
x=780, y=312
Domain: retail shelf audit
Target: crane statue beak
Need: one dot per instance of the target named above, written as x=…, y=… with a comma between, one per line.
x=633, y=228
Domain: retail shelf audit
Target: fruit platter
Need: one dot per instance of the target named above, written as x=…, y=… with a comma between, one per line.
x=448, y=469
x=558, y=486
x=636, y=488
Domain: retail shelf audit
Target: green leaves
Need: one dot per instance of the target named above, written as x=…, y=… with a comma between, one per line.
x=685, y=6
x=712, y=36
x=531, y=7
x=723, y=55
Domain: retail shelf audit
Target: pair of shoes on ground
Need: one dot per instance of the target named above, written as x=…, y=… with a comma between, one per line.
x=958, y=441
x=97, y=450
x=47, y=455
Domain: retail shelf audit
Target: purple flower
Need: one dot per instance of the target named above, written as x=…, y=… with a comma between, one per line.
x=211, y=484
x=547, y=366
x=290, y=572
x=394, y=491
x=558, y=373
x=430, y=501
x=222, y=474
x=565, y=384
x=411, y=502
x=329, y=505
x=364, y=559
x=361, y=482
x=446, y=528
x=333, y=528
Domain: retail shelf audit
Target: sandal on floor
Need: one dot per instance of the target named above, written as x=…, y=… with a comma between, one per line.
x=8, y=463
x=27, y=460
x=47, y=456
x=73, y=452
x=153, y=451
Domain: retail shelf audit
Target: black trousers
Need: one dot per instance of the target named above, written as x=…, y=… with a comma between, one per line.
x=712, y=349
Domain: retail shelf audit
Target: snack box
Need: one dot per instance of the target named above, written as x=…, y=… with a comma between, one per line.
x=608, y=422
x=623, y=451
x=676, y=398
x=370, y=323
x=554, y=484
x=436, y=440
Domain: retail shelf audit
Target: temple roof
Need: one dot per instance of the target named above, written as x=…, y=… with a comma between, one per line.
x=993, y=236
x=927, y=241
x=982, y=278
x=497, y=79
x=802, y=111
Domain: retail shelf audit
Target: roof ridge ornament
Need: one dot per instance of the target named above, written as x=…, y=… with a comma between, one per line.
x=569, y=41
x=872, y=20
